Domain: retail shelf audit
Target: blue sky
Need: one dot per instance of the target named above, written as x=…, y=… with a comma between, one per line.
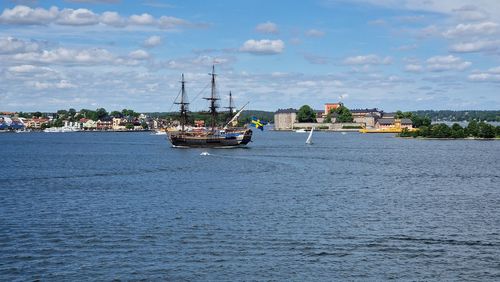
x=394, y=55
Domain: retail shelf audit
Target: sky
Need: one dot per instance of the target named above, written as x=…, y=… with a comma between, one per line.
x=386, y=54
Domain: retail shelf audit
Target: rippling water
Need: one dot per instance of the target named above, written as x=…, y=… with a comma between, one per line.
x=104, y=206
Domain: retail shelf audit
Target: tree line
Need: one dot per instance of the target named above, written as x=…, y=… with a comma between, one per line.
x=441, y=130
x=74, y=115
x=341, y=113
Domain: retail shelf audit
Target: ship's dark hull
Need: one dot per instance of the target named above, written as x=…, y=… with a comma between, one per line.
x=197, y=140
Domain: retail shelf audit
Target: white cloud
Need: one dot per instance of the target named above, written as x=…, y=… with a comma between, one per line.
x=30, y=72
x=263, y=47
x=307, y=83
x=112, y=19
x=27, y=69
x=368, y=60
x=11, y=45
x=315, y=33
x=413, y=68
x=39, y=16
x=267, y=27
x=26, y=15
x=198, y=63
x=476, y=46
x=436, y=6
x=152, y=41
x=491, y=75
x=77, y=17
x=171, y=22
x=484, y=77
x=144, y=19
x=494, y=70
x=67, y=56
x=62, y=84
x=470, y=13
x=476, y=29
x=447, y=63
x=139, y=55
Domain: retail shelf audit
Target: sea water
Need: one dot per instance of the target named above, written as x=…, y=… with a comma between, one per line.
x=104, y=206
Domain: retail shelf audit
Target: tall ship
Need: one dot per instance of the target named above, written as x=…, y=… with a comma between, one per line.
x=214, y=135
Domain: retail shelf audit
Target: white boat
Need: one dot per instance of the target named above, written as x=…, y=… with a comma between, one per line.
x=23, y=130
x=300, y=130
x=159, y=132
x=61, y=129
x=309, y=138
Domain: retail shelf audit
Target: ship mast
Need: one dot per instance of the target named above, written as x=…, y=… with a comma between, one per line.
x=231, y=104
x=213, y=101
x=183, y=105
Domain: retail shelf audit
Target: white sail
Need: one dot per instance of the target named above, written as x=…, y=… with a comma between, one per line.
x=309, y=138
x=236, y=116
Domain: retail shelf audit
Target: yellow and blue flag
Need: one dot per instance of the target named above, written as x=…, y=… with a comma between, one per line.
x=257, y=124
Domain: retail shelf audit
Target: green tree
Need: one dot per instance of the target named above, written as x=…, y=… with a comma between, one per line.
x=129, y=126
x=62, y=113
x=71, y=112
x=129, y=113
x=457, y=131
x=101, y=112
x=486, y=130
x=440, y=131
x=418, y=121
x=57, y=123
x=116, y=114
x=400, y=114
x=88, y=114
x=306, y=114
x=343, y=114
x=424, y=131
x=472, y=128
x=37, y=114
x=407, y=133
x=328, y=118
x=144, y=125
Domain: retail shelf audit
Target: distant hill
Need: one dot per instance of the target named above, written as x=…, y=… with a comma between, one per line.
x=447, y=115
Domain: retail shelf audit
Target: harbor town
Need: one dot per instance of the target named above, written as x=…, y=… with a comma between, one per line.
x=333, y=117
x=284, y=119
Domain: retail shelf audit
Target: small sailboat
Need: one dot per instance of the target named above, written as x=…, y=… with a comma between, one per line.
x=309, y=138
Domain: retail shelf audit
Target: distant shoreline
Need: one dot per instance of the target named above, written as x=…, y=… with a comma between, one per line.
x=80, y=131
x=448, y=138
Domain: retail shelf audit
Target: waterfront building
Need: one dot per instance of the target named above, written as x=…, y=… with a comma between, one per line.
x=284, y=119
x=118, y=123
x=331, y=106
x=11, y=123
x=88, y=124
x=106, y=123
x=36, y=123
x=368, y=117
x=384, y=123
